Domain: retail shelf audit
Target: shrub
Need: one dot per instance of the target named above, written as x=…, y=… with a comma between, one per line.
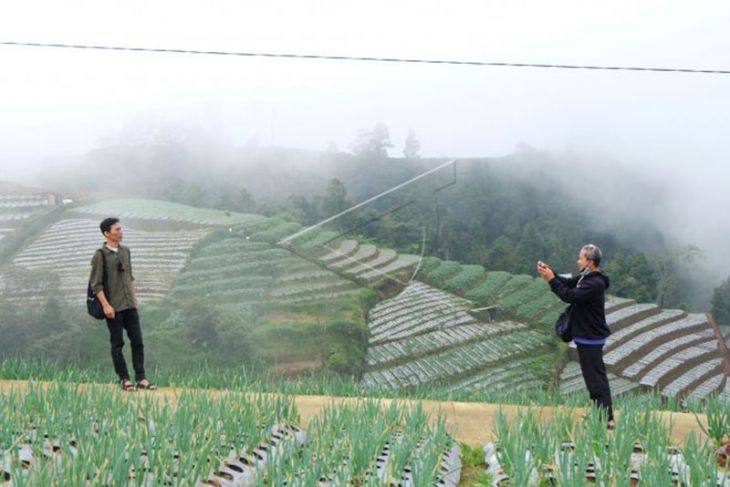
x=488, y=290
x=438, y=276
x=466, y=278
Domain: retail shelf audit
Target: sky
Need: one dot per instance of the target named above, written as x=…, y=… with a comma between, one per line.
x=56, y=105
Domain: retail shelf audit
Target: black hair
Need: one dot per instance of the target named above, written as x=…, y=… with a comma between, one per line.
x=107, y=223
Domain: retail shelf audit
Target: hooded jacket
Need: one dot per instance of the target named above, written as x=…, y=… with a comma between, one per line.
x=587, y=293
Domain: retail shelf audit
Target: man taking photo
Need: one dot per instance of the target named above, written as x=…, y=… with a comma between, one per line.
x=586, y=293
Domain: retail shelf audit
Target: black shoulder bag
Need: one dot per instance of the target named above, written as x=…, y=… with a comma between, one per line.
x=93, y=305
x=562, y=325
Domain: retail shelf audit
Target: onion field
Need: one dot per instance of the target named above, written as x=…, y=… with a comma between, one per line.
x=92, y=435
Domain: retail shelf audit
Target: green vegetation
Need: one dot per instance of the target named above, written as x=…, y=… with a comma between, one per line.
x=238, y=301
x=721, y=302
x=242, y=301
x=487, y=291
x=145, y=209
x=521, y=297
x=67, y=434
x=369, y=444
x=502, y=213
x=30, y=227
x=277, y=231
x=472, y=461
x=261, y=379
x=497, y=218
x=445, y=271
x=569, y=453
x=237, y=270
x=340, y=441
x=520, y=291
x=298, y=314
x=178, y=333
x=467, y=277
x=635, y=277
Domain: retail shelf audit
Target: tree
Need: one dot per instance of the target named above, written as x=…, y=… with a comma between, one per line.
x=373, y=143
x=180, y=191
x=335, y=198
x=201, y=323
x=334, y=202
x=297, y=208
x=670, y=268
x=632, y=277
x=245, y=201
x=502, y=255
x=13, y=327
x=412, y=146
x=721, y=302
x=223, y=200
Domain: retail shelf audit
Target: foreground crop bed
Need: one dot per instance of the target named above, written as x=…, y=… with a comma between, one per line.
x=95, y=435
x=639, y=451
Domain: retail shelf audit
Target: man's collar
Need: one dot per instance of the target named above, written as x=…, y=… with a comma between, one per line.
x=588, y=270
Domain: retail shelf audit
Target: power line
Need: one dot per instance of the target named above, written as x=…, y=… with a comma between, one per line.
x=362, y=58
x=369, y=200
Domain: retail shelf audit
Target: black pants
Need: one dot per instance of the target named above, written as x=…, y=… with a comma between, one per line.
x=126, y=320
x=594, y=375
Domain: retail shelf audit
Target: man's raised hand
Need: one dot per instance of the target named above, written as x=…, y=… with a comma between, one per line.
x=544, y=270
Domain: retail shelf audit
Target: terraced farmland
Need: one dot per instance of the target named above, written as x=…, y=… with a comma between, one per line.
x=162, y=211
x=16, y=208
x=238, y=271
x=66, y=247
x=671, y=351
x=643, y=335
x=423, y=336
x=520, y=297
x=161, y=235
x=515, y=374
x=571, y=381
x=426, y=336
x=365, y=263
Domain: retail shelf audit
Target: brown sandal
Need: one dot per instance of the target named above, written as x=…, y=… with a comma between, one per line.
x=127, y=385
x=148, y=387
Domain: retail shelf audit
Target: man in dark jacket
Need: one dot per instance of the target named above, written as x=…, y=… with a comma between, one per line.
x=586, y=293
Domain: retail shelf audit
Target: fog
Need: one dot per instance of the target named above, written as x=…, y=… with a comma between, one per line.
x=650, y=146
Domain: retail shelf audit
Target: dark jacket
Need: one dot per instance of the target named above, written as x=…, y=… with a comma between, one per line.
x=588, y=295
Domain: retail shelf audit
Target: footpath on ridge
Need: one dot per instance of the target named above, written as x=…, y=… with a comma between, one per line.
x=472, y=423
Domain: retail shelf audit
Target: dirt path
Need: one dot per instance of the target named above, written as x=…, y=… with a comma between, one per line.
x=472, y=422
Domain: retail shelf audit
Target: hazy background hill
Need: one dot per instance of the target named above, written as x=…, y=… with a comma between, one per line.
x=504, y=212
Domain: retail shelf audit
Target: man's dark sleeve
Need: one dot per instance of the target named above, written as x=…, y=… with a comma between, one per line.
x=568, y=281
x=587, y=292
